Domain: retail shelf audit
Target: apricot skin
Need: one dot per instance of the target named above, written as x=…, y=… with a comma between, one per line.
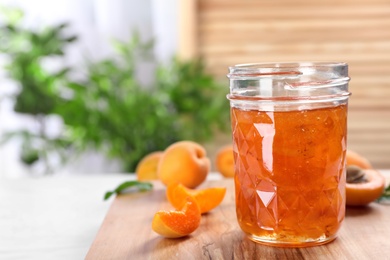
x=177, y=223
x=162, y=229
x=147, y=168
x=353, y=158
x=184, y=162
x=224, y=161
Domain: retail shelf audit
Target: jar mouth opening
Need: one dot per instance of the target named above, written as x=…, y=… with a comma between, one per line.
x=281, y=69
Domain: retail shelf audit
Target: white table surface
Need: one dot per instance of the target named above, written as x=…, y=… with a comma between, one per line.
x=55, y=217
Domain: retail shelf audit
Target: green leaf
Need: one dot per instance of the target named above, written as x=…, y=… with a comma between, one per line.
x=62, y=26
x=61, y=73
x=385, y=195
x=138, y=185
x=71, y=39
x=29, y=156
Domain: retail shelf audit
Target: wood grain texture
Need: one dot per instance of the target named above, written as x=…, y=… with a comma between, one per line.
x=126, y=233
x=188, y=36
x=357, y=32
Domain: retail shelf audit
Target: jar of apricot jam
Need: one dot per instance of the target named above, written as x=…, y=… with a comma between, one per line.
x=289, y=129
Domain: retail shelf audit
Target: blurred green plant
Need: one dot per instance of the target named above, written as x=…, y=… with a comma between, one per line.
x=26, y=51
x=109, y=109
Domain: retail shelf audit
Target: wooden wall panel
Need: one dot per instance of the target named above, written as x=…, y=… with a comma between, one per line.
x=355, y=31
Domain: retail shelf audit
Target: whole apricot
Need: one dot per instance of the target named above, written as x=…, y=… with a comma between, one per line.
x=147, y=168
x=184, y=162
x=353, y=158
x=224, y=162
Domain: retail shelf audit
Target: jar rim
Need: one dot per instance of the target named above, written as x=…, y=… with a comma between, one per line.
x=276, y=69
x=301, y=64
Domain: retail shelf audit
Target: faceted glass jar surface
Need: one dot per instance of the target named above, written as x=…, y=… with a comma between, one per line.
x=289, y=128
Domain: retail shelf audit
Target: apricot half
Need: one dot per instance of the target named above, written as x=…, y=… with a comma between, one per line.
x=184, y=162
x=353, y=158
x=367, y=190
x=224, y=161
x=178, y=223
x=147, y=168
x=207, y=199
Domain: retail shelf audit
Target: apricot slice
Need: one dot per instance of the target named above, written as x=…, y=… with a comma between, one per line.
x=178, y=223
x=353, y=158
x=184, y=162
x=207, y=199
x=147, y=168
x=369, y=188
x=224, y=161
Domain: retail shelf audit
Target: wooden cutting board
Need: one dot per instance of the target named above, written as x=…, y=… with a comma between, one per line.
x=126, y=233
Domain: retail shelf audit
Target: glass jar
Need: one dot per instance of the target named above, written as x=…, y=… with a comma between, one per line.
x=289, y=128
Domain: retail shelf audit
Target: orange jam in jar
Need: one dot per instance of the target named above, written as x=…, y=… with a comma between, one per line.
x=289, y=127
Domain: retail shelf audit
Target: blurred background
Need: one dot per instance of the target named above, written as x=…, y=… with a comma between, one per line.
x=92, y=86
